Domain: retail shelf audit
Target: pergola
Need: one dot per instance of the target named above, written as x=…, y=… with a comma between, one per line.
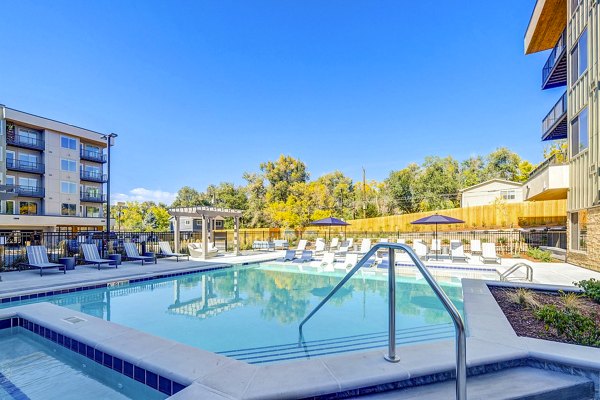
x=207, y=214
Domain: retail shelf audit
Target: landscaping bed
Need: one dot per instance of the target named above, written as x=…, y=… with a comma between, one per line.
x=557, y=316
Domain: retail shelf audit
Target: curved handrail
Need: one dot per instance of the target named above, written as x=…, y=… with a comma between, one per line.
x=508, y=272
x=461, y=342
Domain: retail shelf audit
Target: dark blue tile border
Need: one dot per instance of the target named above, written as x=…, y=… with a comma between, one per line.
x=148, y=378
x=37, y=295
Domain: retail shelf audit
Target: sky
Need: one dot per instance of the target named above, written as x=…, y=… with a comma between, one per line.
x=201, y=91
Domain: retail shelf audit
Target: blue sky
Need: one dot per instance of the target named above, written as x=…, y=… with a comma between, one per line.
x=201, y=91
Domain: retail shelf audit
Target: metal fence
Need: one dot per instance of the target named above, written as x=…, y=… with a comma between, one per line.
x=66, y=244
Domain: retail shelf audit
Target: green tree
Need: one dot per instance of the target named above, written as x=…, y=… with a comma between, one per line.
x=281, y=174
x=255, y=214
x=558, y=149
x=503, y=163
x=189, y=197
x=472, y=171
x=438, y=184
x=401, y=187
x=339, y=192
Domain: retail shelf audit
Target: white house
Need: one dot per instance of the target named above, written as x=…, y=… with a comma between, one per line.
x=487, y=192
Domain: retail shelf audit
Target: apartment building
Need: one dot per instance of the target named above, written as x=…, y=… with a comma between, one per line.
x=53, y=174
x=569, y=29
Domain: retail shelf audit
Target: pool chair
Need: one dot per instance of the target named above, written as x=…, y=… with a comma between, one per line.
x=457, y=251
x=133, y=255
x=328, y=262
x=37, y=257
x=289, y=256
x=306, y=257
x=301, y=245
x=488, y=253
x=349, y=263
x=420, y=249
x=383, y=240
x=365, y=246
x=335, y=243
x=196, y=250
x=165, y=251
x=319, y=246
x=401, y=241
x=92, y=257
x=475, y=247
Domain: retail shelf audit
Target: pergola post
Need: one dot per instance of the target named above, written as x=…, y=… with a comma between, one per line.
x=204, y=237
x=236, y=236
x=176, y=233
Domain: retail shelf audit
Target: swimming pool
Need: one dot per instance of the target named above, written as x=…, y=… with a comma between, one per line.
x=252, y=312
x=33, y=368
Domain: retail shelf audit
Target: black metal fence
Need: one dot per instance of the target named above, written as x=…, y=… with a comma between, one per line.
x=66, y=244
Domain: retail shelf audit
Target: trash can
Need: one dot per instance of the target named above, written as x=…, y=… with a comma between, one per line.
x=68, y=262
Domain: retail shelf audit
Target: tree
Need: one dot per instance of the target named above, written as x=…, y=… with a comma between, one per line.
x=557, y=149
x=189, y=197
x=339, y=192
x=472, y=171
x=401, y=188
x=503, y=164
x=255, y=215
x=281, y=174
x=438, y=184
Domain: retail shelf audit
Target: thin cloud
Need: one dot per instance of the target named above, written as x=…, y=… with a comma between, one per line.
x=143, y=194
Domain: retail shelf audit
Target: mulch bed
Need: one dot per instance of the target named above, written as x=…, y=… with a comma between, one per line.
x=526, y=324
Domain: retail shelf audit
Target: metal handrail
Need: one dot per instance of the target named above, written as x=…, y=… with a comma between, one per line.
x=459, y=326
x=511, y=270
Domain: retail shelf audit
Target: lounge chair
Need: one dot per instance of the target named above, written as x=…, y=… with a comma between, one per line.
x=401, y=241
x=350, y=243
x=289, y=256
x=92, y=257
x=256, y=245
x=488, y=253
x=196, y=250
x=281, y=244
x=457, y=251
x=420, y=249
x=37, y=257
x=328, y=262
x=319, y=246
x=365, y=246
x=383, y=240
x=165, y=250
x=335, y=243
x=475, y=247
x=344, y=248
x=132, y=254
x=301, y=245
x=306, y=257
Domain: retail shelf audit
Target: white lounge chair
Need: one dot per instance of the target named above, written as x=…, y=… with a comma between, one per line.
x=383, y=240
x=475, y=247
x=401, y=241
x=319, y=246
x=91, y=256
x=132, y=254
x=488, y=253
x=457, y=251
x=328, y=262
x=165, y=250
x=349, y=262
x=436, y=246
x=196, y=250
x=335, y=243
x=301, y=245
x=37, y=257
x=420, y=249
x=365, y=246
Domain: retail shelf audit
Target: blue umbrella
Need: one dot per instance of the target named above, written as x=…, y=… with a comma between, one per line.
x=330, y=221
x=437, y=219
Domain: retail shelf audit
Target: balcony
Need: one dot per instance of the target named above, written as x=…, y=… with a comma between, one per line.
x=92, y=197
x=25, y=142
x=549, y=180
x=554, y=125
x=92, y=176
x=554, y=73
x=91, y=155
x=25, y=166
x=26, y=191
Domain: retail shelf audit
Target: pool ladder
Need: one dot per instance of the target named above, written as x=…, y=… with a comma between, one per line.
x=391, y=356
x=528, y=272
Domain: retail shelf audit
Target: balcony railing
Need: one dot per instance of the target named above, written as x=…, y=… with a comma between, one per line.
x=92, y=155
x=25, y=166
x=554, y=125
x=25, y=141
x=554, y=73
x=93, y=197
x=26, y=191
x=92, y=176
x=554, y=159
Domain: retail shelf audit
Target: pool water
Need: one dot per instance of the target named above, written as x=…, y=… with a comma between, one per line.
x=252, y=312
x=34, y=368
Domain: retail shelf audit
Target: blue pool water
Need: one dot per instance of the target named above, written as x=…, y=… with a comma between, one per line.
x=33, y=368
x=252, y=312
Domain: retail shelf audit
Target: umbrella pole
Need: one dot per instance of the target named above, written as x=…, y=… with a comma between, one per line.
x=440, y=247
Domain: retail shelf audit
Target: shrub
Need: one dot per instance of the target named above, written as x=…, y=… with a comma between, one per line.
x=571, y=324
x=524, y=297
x=591, y=289
x=539, y=254
x=571, y=301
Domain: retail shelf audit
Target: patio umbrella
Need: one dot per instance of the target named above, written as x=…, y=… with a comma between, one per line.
x=330, y=221
x=435, y=220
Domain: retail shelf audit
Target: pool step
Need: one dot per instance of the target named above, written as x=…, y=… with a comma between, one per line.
x=522, y=383
x=309, y=349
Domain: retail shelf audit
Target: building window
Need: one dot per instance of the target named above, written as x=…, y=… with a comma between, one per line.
x=28, y=182
x=28, y=208
x=579, y=57
x=10, y=180
x=93, y=212
x=579, y=132
x=508, y=194
x=28, y=161
x=68, y=187
x=28, y=136
x=9, y=207
x=578, y=231
x=68, y=165
x=10, y=157
x=68, y=143
x=68, y=209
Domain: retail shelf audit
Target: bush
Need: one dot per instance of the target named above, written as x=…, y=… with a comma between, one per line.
x=591, y=289
x=524, y=297
x=571, y=324
x=539, y=254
